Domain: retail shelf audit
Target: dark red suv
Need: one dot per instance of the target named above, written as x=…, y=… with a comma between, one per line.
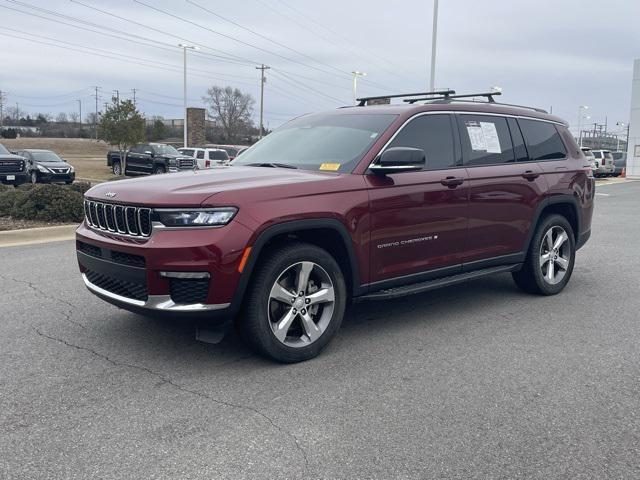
x=369, y=202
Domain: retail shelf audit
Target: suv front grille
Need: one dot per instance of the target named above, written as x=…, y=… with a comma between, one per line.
x=11, y=166
x=137, y=291
x=185, y=162
x=134, y=221
x=189, y=291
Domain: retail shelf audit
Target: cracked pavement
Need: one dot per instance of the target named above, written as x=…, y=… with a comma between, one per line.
x=473, y=381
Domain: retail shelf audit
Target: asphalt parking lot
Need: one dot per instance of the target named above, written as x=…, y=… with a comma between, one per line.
x=473, y=381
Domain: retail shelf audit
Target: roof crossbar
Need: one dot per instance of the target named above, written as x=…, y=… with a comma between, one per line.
x=488, y=95
x=438, y=93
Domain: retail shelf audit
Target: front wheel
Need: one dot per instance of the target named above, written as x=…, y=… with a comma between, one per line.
x=159, y=169
x=117, y=168
x=295, y=303
x=34, y=177
x=550, y=259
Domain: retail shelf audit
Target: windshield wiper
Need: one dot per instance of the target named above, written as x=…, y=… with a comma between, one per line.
x=271, y=164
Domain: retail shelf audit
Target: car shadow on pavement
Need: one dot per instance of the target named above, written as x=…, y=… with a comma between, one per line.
x=153, y=337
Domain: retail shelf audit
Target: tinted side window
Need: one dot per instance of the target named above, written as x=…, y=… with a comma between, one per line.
x=485, y=140
x=200, y=154
x=434, y=135
x=543, y=140
x=187, y=151
x=218, y=155
x=519, y=149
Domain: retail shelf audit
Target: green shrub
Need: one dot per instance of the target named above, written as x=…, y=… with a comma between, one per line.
x=50, y=203
x=80, y=187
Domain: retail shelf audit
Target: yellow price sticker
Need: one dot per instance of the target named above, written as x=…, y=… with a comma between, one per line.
x=330, y=166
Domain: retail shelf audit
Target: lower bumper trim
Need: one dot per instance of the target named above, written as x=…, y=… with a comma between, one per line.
x=161, y=303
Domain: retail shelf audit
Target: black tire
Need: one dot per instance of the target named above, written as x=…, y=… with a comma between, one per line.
x=255, y=321
x=159, y=170
x=68, y=182
x=116, y=168
x=531, y=278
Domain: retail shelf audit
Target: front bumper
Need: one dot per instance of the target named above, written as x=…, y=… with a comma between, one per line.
x=131, y=273
x=56, y=177
x=18, y=178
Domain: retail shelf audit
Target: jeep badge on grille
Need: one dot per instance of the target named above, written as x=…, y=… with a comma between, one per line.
x=110, y=194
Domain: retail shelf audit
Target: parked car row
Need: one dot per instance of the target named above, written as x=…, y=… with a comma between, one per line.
x=156, y=158
x=35, y=166
x=605, y=163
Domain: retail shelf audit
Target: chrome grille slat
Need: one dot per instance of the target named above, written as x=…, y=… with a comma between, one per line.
x=121, y=219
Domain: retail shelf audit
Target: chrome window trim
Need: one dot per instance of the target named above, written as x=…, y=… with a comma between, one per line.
x=454, y=112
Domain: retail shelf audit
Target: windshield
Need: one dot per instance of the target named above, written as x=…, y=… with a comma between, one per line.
x=3, y=150
x=46, y=157
x=319, y=142
x=165, y=150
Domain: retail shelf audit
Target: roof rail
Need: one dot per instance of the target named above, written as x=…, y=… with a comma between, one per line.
x=440, y=93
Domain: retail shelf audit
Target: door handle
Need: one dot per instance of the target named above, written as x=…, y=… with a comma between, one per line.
x=530, y=175
x=452, y=182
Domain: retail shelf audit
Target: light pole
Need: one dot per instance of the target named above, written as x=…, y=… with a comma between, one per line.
x=434, y=36
x=184, y=47
x=356, y=74
x=580, y=118
x=80, y=108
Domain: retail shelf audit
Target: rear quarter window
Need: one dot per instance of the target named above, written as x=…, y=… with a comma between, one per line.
x=543, y=140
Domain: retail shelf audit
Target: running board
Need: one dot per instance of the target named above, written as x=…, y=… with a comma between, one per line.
x=414, y=288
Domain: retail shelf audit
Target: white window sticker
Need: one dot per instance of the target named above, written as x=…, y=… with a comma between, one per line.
x=483, y=137
x=491, y=137
x=476, y=136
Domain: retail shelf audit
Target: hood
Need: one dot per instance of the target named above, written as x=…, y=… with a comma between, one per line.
x=10, y=156
x=53, y=164
x=193, y=188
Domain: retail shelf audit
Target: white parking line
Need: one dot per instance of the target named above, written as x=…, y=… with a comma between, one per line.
x=603, y=194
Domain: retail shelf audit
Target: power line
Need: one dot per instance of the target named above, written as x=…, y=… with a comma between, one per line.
x=284, y=77
x=264, y=37
x=233, y=38
x=148, y=27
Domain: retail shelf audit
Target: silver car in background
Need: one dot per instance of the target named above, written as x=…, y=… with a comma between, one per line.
x=606, y=165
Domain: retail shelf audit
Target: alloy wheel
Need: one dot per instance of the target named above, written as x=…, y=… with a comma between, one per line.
x=301, y=304
x=555, y=255
x=34, y=177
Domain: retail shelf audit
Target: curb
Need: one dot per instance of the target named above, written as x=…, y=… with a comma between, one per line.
x=32, y=236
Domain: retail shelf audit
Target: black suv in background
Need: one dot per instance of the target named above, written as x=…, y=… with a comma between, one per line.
x=149, y=159
x=12, y=168
x=46, y=166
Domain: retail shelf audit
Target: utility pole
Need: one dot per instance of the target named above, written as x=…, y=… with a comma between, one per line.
x=356, y=74
x=2, y=97
x=263, y=80
x=117, y=92
x=95, y=120
x=80, y=108
x=134, y=96
x=184, y=47
x=17, y=113
x=434, y=37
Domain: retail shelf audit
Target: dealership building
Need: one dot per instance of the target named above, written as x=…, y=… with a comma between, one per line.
x=633, y=150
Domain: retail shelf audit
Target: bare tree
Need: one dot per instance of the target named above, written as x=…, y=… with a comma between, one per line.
x=91, y=118
x=231, y=108
x=61, y=117
x=73, y=117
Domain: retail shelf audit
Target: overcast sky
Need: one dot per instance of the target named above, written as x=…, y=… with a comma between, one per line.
x=544, y=53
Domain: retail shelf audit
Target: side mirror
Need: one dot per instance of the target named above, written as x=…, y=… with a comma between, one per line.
x=399, y=159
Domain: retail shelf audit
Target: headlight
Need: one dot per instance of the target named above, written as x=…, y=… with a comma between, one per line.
x=210, y=217
x=43, y=169
x=71, y=169
x=172, y=162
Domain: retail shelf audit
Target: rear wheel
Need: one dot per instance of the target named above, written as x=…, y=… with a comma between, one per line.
x=117, y=168
x=295, y=303
x=550, y=259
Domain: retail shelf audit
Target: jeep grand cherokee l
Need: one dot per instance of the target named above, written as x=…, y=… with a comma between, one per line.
x=370, y=202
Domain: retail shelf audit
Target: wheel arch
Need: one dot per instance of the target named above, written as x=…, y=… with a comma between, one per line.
x=326, y=233
x=566, y=205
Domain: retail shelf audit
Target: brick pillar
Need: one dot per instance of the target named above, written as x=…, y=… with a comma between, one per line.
x=196, y=127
